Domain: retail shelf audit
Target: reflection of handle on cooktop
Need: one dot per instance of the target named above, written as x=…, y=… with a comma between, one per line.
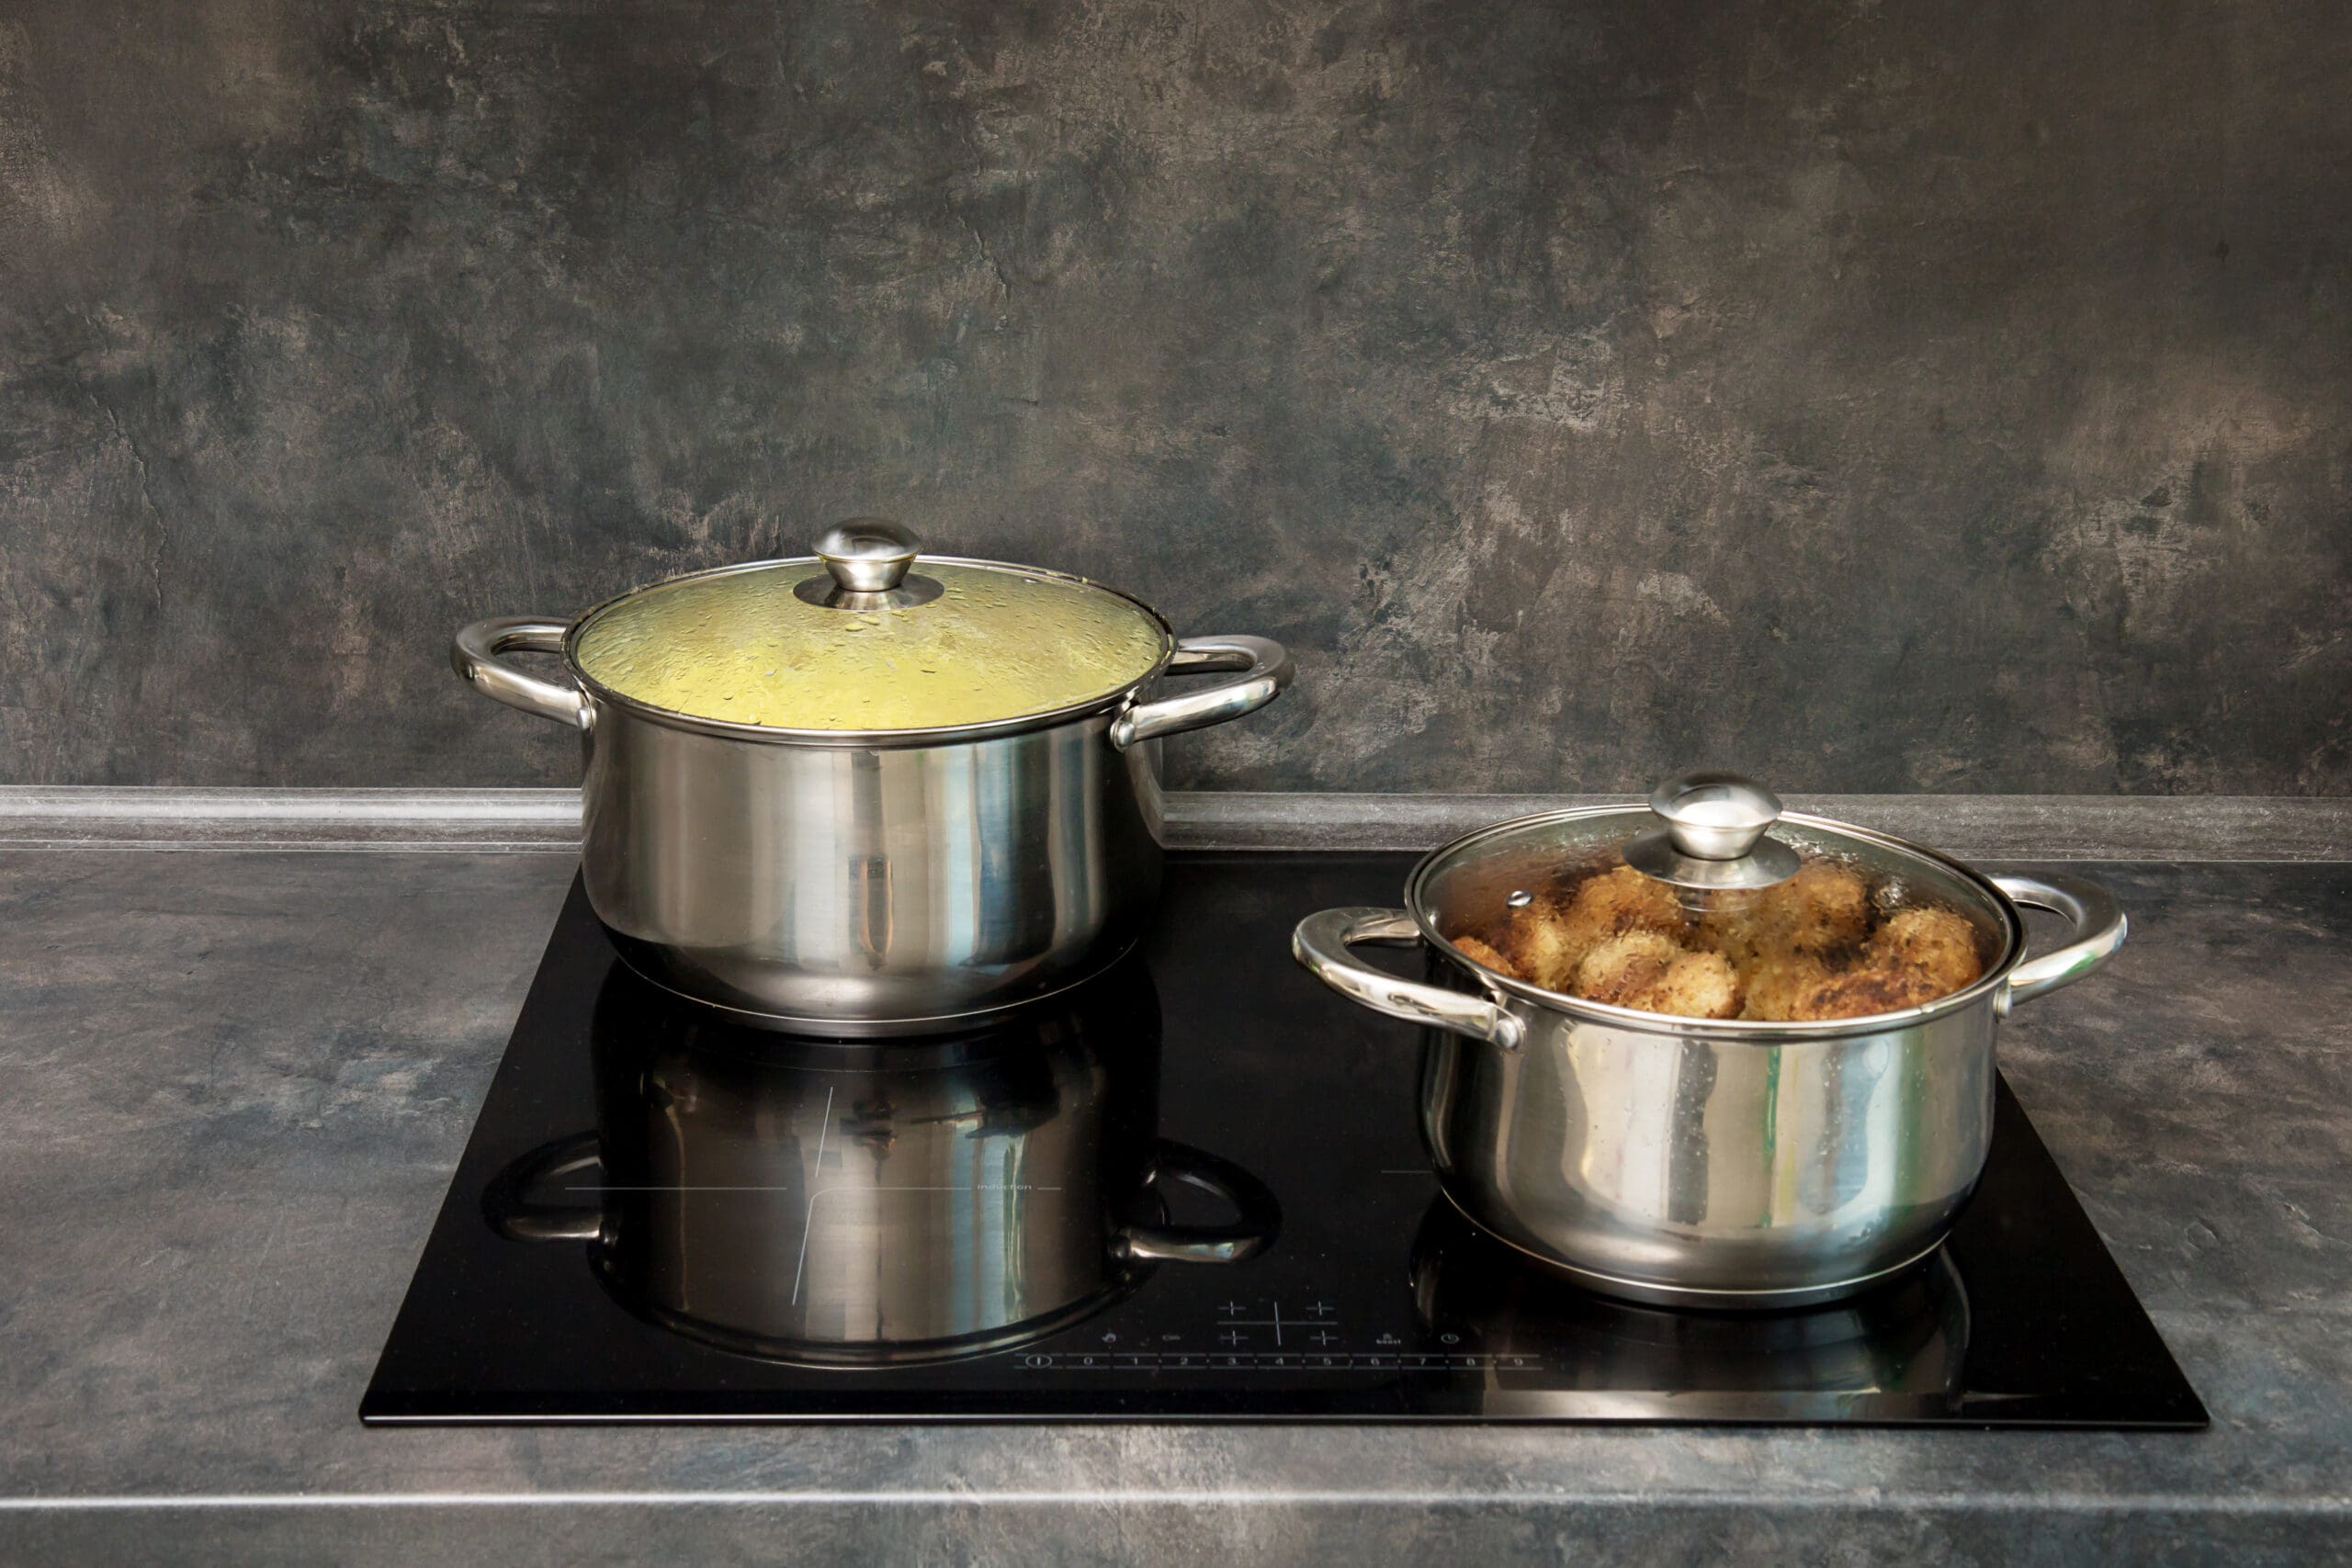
x=513, y=1213
x=1258, y=1219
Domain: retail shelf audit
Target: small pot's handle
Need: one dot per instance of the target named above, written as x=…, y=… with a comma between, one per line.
x=2100, y=927
x=1258, y=1219
x=513, y=1213
x=1321, y=944
x=474, y=655
x=1263, y=669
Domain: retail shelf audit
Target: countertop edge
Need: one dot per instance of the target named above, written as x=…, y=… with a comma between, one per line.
x=2328, y=1505
x=1404, y=1528
x=2086, y=828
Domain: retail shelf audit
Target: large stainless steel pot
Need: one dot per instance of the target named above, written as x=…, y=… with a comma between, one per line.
x=861, y=882
x=1703, y=1162
x=879, y=1204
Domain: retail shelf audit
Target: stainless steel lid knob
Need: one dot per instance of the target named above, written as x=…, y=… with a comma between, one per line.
x=1712, y=834
x=867, y=555
x=1715, y=816
x=868, y=559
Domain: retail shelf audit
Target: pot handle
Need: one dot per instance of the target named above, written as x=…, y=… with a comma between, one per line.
x=1321, y=944
x=2100, y=926
x=1258, y=1218
x=474, y=655
x=513, y=1213
x=1263, y=670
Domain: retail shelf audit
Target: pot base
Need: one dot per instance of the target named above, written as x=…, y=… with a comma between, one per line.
x=1685, y=1296
x=640, y=958
x=842, y=1355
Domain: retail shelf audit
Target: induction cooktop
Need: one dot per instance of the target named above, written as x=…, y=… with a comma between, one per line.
x=1192, y=1190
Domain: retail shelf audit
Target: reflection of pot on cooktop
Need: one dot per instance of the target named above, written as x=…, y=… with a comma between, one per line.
x=1908, y=1336
x=876, y=1204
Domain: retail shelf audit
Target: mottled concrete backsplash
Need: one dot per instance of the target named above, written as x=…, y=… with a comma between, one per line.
x=1877, y=396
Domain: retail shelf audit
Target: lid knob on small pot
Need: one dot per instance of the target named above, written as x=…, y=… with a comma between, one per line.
x=868, y=559
x=1712, y=834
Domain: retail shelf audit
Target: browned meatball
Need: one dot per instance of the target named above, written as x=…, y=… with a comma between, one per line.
x=1873, y=987
x=1778, y=985
x=1939, y=944
x=1623, y=966
x=1539, y=946
x=1915, y=957
x=1478, y=953
x=1547, y=940
x=1824, y=908
x=1695, y=985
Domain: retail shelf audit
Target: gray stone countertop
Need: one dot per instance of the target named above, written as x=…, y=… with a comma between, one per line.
x=238, y=1081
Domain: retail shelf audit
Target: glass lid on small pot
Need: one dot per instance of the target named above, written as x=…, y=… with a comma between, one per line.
x=865, y=636
x=1710, y=903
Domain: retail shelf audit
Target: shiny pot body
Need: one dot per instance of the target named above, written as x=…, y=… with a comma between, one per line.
x=1684, y=1166
x=864, y=883
x=847, y=891
x=1698, y=1162
x=885, y=1204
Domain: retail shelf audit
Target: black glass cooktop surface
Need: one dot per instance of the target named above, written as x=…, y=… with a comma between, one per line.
x=1192, y=1190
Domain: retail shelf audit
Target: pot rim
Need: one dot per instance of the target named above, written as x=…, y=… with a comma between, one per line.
x=1723, y=1031
x=865, y=739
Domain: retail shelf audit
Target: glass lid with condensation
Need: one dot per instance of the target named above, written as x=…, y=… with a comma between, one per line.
x=864, y=644
x=1710, y=904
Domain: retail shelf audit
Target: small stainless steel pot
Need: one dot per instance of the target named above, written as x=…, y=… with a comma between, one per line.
x=1693, y=1162
x=869, y=883
x=878, y=1204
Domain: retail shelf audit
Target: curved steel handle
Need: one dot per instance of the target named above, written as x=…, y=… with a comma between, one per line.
x=474, y=655
x=1258, y=1218
x=513, y=1213
x=1264, y=670
x=1321, y=944
x=2100, y=927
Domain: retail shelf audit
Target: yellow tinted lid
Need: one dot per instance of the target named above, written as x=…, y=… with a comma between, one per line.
x=854, y=641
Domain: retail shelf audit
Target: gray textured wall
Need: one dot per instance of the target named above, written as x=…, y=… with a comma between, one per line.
x=1951, y=397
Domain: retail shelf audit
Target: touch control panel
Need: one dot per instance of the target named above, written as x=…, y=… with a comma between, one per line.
x=1272, y=1334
